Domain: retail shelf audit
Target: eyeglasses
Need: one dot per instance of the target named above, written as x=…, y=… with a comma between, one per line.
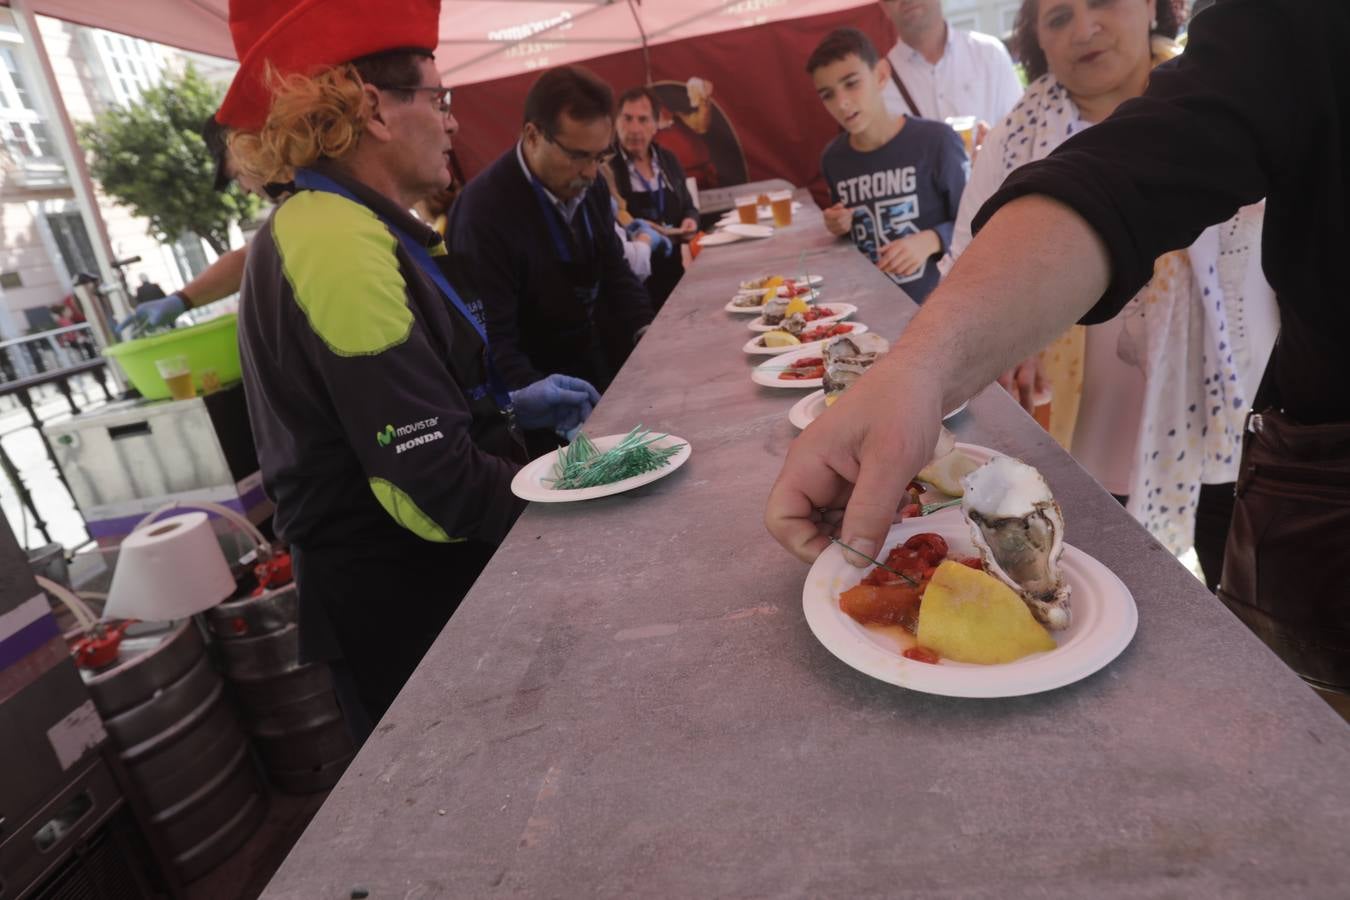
x=441, y=95
x=581, y=157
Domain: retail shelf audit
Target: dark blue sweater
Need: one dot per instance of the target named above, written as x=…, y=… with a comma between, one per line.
x=536, y=323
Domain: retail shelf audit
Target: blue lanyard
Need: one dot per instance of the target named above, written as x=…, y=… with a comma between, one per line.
x=655, y=190
x=553, y=216
x=313, y=181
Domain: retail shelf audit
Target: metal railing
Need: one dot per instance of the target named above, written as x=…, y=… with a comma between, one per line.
x=37, y=365
x=48, y=351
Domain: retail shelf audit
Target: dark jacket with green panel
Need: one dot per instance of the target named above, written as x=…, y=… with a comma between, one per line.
x=391, y=482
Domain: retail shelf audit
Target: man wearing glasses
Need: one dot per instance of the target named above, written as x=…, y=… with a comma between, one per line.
x=386, y=435
x=538, y=225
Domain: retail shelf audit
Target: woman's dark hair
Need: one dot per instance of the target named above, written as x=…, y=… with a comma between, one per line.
x=574, y=90
x=1026, y=49
x=841, y=44
x=633, y=94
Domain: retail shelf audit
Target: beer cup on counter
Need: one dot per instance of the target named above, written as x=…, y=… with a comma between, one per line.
x=177, y=374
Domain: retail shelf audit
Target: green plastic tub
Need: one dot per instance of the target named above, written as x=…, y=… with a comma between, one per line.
x=213, y=345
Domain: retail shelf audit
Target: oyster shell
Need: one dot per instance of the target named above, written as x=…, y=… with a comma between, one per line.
x=1019, y=530
x=775, y=310
x=847, y=357
x=794, y=324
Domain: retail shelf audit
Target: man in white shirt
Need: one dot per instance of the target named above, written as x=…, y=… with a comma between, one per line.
x=946, y=71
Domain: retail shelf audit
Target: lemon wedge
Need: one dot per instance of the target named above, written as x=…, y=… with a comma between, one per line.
x=780, y=339
x=969, y=616
x=796, y=305
x=945, y=472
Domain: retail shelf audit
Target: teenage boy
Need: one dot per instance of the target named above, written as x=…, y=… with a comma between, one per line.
x=896, y=181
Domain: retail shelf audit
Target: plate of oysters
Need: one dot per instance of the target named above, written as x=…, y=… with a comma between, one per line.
x=990, y=602
x=840, y=363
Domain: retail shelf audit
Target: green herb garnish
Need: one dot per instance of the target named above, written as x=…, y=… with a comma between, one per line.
x=582, y=465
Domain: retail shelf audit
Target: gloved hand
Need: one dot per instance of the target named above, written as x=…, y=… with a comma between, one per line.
x=560, y=402
x=660, y=243
x=154, y=313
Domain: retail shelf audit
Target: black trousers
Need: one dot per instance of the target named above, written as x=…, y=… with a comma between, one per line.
x=372, y=614
x=1213, y=519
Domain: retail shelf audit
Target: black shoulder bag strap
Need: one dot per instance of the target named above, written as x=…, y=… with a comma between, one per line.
x=904, y=92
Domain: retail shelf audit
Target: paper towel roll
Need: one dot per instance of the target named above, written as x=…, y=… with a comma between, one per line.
x=168, y=570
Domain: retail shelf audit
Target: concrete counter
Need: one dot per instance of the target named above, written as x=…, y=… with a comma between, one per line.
x=629, y=702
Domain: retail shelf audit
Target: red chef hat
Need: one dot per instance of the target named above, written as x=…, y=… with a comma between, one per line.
x=298, y=36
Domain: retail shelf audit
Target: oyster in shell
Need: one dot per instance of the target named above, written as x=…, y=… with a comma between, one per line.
x=775, y=310
x=1019, y=530
x=847, y=357
x=794, y=324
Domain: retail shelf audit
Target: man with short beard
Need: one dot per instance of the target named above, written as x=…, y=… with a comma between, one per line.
x=537, y=222
x=938, y=71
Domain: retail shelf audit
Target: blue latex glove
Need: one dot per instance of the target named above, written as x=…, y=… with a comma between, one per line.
x=660, y=243
x=560, y=402
x=154, y=313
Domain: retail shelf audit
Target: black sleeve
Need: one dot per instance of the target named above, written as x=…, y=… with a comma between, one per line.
x=624, y=297
x=675, y=175
x=1214, y=127
x=498, y=267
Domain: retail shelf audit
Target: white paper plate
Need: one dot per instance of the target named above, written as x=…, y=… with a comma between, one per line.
x=731, y=306
x=718, y=238
x=753, y=350
x=1104, y=622
x=750, y=231
x=841, y=311
x=766, y=373
x=529, y=483
x=809, y=408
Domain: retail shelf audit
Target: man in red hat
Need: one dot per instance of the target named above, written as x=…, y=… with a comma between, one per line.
x=387, y=438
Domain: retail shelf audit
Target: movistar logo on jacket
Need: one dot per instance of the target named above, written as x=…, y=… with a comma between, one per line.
x=417, y=434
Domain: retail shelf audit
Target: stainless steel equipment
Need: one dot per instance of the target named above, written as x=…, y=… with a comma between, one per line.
x=129, y=458
x=187, y=760
x=289, y=708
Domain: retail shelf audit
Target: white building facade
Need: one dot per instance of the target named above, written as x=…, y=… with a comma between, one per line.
x=44, y=242
x=993, y=17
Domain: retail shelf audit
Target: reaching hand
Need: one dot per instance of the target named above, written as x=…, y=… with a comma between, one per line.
x=1027, y=382
x=560, y=402
x=858, y=457
x=838, y=220
x=907, y=255
x=660, y=243
x=154, y=313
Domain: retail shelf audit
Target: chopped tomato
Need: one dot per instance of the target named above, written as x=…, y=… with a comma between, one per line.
x=795, y=374
x=889, y=604
x=974, y=562
x=921, y=654
x=809, y=362
x=821, y=332
x=932, y=548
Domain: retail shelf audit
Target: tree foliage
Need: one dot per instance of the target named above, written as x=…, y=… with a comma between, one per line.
x=150, y=157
